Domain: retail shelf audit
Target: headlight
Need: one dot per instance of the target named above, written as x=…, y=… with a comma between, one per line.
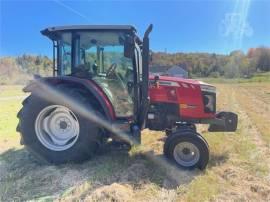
x=209, y=97
x=209, y=102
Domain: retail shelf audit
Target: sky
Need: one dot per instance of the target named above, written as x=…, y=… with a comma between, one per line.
x=214, y=26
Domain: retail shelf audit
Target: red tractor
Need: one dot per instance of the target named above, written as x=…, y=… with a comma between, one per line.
x=101, y=90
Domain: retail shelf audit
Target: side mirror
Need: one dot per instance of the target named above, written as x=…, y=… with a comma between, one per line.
x=128, y=47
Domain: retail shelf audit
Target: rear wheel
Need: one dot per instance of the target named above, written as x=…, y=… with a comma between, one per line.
x=188, y=149
x=55, y=132
x=57, y=127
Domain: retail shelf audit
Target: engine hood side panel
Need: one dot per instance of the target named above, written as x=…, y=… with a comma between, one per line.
x=188, y=93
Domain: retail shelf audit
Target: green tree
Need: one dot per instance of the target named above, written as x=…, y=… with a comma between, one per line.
x=263, y=62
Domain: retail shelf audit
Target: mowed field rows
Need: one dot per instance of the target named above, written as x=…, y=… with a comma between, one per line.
x=239, y=167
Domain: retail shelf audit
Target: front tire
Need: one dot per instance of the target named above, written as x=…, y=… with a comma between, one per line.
x=54, y=132
x=187, y=149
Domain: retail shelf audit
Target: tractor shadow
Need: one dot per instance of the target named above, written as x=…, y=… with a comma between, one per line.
x=23, y=178
x=217, y=159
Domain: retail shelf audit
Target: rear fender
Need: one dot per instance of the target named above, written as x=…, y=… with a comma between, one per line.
x=89, y=85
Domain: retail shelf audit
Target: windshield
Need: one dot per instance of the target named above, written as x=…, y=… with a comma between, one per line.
x=100, y=56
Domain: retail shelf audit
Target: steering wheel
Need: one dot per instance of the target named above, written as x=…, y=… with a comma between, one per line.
x=111, y=70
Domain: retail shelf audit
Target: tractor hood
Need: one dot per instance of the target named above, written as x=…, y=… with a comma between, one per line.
x=183, y=82
x=178, y=80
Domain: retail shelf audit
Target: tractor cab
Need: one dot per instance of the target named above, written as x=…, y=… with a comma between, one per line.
x=111, y=56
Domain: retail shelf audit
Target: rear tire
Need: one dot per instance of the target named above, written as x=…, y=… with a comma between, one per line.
x=187, y=149
x=42, y=144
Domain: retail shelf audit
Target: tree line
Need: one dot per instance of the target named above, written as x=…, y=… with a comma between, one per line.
x=18, y=70
x=236, y=64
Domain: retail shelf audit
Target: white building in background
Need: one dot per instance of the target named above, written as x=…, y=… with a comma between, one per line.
x=175, y=70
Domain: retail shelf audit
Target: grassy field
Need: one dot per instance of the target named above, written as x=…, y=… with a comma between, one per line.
x=239, y=167
x=256, y=78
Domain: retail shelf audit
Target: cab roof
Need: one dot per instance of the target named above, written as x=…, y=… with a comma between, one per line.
x=51, y=32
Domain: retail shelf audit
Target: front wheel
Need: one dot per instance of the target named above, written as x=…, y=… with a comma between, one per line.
x=188, y=149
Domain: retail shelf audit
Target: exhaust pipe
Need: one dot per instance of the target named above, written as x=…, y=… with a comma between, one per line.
x=145, y=77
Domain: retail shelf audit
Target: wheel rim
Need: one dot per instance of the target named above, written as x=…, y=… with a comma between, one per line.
x=186, y=154
x=57, y=127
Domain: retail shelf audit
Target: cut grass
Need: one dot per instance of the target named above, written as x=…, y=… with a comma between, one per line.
x=257, y=108
x=8, y=111
x=9, y=108
x=234, y=149
x=256, y=78
x=203, y=188
x=11, y=90
x=137, y=175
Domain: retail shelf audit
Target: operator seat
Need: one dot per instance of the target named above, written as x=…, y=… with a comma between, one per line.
x=82, y=71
